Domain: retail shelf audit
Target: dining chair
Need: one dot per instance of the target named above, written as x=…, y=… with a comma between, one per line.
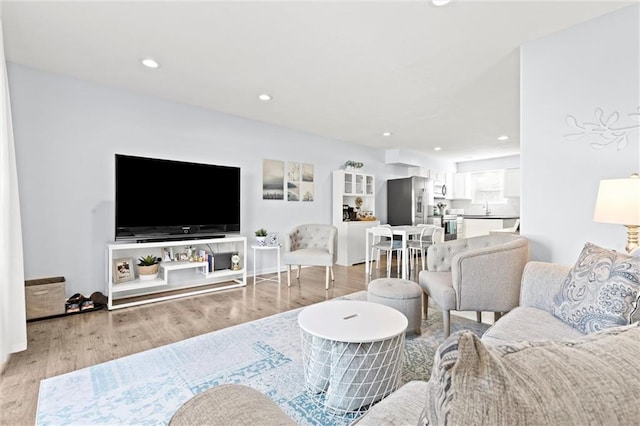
x=428, y=236
x=383, y=241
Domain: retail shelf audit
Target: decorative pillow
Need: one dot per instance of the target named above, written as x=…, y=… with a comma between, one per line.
x=601, y=290
x=593, y=380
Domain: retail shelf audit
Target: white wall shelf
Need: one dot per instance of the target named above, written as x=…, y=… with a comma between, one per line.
x=181, y=278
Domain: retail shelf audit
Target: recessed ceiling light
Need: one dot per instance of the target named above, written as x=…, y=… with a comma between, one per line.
x=440, y=2
x=149, y=62
x=387, y=134
x=264, y=97
x=503, y=138
x=437, y=148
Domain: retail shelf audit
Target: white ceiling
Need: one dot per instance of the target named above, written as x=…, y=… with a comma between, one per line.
x=434, y=76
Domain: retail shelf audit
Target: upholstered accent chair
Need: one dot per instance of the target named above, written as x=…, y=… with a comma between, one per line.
x=311, y=245
x=481, y=274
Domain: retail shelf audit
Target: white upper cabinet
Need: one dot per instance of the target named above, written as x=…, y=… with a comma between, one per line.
x=511, y=183
x=448, y=181
x=437, y=175
x=355, y=190
x=461, y=186
x=357, y=183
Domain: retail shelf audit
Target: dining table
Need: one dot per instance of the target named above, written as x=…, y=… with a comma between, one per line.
x=404, y=231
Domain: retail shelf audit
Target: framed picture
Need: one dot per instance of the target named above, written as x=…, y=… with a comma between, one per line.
x=123, y=270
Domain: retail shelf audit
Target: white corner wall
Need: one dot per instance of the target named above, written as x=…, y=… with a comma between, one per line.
x=593, y=65
x=67, y=132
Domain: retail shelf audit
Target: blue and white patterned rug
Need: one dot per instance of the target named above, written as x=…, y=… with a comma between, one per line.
x=148, y=387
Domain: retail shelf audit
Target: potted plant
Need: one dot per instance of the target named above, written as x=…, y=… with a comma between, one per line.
x=148, y=267
x=261, y=237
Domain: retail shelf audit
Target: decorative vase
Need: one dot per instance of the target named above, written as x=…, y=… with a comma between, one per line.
x=261, y=241
x=148, y=272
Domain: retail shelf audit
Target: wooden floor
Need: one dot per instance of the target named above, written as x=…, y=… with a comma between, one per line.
x=61, y=345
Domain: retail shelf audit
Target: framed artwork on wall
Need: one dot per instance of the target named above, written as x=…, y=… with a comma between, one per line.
x=272, y=180
x=299, y=183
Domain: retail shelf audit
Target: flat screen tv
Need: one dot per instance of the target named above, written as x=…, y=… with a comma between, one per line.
x=164, y=199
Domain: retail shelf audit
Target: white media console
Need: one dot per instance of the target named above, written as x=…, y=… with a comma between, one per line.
x=175, y=278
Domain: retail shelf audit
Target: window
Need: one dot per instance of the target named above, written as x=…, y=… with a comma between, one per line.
x=487, y=187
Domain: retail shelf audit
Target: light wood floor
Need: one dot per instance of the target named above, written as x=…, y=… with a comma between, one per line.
x=61, y=345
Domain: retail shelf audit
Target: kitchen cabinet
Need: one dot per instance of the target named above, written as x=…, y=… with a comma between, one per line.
x=357, y=191
x=448, y=181
x=436, y=175
x=461, y=186
x=511, y=185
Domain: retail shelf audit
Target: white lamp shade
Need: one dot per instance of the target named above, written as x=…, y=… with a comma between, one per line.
x=618, y=202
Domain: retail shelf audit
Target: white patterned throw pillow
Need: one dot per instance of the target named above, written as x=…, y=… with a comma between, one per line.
x=601, y=290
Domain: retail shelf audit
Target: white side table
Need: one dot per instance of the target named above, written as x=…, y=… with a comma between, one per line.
x=257, y=249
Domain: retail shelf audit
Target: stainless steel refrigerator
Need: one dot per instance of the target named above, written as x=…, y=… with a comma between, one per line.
x=409, y=200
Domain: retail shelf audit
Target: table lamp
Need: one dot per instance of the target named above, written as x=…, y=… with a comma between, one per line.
x=618, y=202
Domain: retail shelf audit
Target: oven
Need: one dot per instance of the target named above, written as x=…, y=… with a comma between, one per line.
x=450, y=225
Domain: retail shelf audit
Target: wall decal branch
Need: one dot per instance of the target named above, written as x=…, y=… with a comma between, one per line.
x=604, y=129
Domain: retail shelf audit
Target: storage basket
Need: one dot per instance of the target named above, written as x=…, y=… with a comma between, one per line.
x=45, y=297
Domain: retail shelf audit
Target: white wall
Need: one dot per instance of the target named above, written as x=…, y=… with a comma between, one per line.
x=593, y=65
x=508, y=162
x=67, y=132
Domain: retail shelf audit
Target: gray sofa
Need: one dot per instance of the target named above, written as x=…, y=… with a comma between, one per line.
x=529, y=368
x=531, y=321
x=547, y=347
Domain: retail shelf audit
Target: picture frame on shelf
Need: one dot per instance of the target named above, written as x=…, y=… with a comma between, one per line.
x=167, y=253
x=123, y=270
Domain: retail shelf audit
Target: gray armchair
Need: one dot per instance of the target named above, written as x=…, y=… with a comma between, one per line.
x=311, y=245
x=481, y=274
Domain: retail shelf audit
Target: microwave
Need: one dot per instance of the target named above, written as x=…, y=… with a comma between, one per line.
x=439, y=190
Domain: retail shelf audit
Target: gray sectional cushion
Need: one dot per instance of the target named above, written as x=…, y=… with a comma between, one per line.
x=402, y=407
x=540, y=281
x=592, y=380
x=524, y=323
x=601, y=290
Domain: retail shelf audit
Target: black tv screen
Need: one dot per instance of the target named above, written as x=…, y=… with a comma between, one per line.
x=162, y=198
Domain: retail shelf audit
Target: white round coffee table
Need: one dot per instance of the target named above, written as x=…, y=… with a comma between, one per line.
x=352, y=353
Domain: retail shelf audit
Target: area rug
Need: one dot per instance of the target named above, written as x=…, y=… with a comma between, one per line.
x=148, y=387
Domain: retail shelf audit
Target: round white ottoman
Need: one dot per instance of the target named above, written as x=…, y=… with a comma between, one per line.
x=403, y=295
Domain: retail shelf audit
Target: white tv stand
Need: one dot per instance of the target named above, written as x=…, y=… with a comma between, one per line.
x=180, y=278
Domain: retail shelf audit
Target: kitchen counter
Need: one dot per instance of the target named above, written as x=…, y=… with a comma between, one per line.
x=483, y=224
x=489, y=216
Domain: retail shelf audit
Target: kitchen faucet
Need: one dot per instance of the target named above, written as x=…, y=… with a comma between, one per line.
x=486, y=207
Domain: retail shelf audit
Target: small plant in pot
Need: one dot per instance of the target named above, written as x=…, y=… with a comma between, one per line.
x=261, y=237
x=148, y=267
